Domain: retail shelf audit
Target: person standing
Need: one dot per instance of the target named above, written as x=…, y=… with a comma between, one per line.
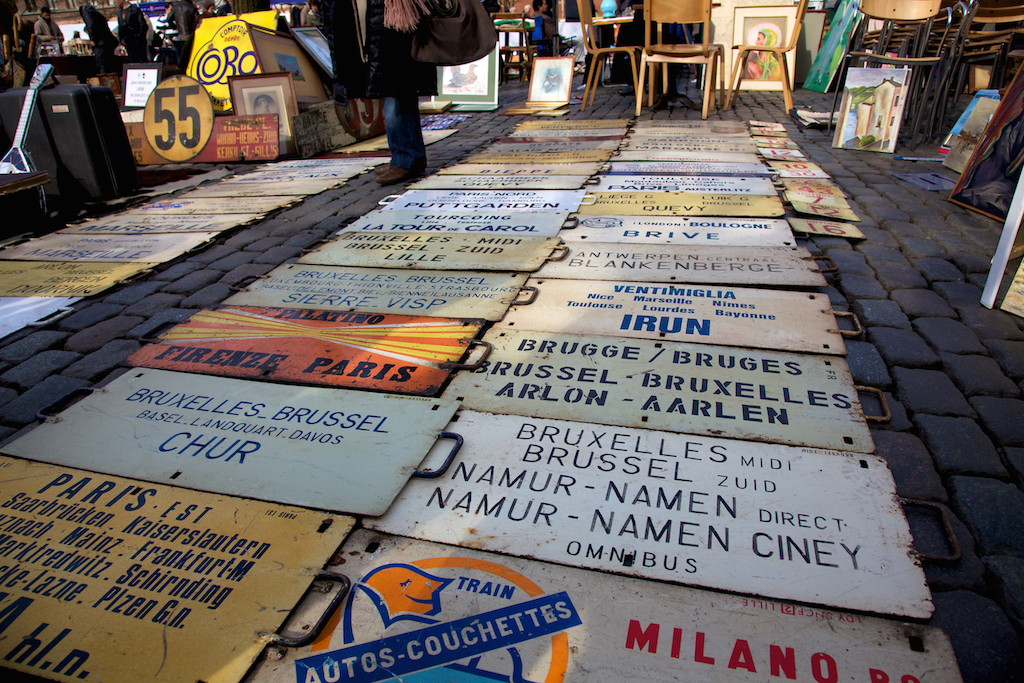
x=182, y=17
x=132, y=28
x=371, y=51
x=103, y=41
x=47, y=31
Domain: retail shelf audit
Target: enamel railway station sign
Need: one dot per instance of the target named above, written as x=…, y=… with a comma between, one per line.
x=583, y=157
x=525, y=146
x=825, y=227
x=686, y=155
x=732, y=316
x=826, y=206
x=684, y=183
x=427, y=611
x=754, y=394
x=390, y=353
x=679, y=204
x=710, y=230
x=786, y=523
x=300, y=187
x=111, y=579
x=780, y=153
x=566, y=132
x=17, y=312
x=435, y=252
x=134, y=222
x=107, y=248
x=692, y=126
x=797, y=169
x=495, y=223
x=448, y=294
x=580, y=169
x=780, y=266
x=688, y=168
x=300, y=168
x=589, y=124
x=64, y=278
x=442, y=201
x=500, y=182
x=813, y=186
x=669, y=144
x=185, y=205
x=334, y=449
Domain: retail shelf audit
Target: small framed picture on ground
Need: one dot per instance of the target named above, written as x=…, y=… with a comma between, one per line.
x=314, y=42
x=139, y=81
x=872, y=109
x=267, y=94
x=473, y=86
x=550, y=81
x=279, y=52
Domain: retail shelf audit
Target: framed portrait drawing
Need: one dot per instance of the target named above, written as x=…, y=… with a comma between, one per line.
x=989, y=179
x=267, y=94
x=771, y=26
x=278, y=52
x=314, y=42
x=872, y=109
x=473, y=86
x=139, y=81
x=550, y=81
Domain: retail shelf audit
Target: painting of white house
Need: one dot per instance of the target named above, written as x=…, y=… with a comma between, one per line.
x=872, y=108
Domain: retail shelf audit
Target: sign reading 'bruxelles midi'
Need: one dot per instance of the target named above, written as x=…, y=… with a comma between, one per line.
x=777, y=521
x=798, y=399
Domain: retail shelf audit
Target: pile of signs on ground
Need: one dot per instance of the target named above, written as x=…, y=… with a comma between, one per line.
x=585, y=395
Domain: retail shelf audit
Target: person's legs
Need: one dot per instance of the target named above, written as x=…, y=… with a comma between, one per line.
x=405, y=138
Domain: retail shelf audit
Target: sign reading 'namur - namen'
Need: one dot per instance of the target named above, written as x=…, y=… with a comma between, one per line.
x=778, y=521
x=798, y=399
x=111, y=579
x=735, y=316
x=448, y=294
x=507, y=618
x=711, y=230
x=290, y=444
x=479, y=222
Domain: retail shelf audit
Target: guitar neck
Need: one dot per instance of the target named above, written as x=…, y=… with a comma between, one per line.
x=42, y=72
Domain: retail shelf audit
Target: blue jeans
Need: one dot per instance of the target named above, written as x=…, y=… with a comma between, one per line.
x=405, y=138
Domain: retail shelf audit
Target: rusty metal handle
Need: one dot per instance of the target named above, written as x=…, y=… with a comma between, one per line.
x=886, y=415
x=43, y=414
x=243, y=283
x=592, y=180
x=316, y=245
x=307, y=638
x=434, y=474
x=15, y=239
x=387, y=200
x=478, y=363
x=559, y=253
x=834, y=268
x=857, y=329
x=533, y=296
x=947, y=528
x=52, y=317
x=591, y=197
x=136, y=277
x=571, y=222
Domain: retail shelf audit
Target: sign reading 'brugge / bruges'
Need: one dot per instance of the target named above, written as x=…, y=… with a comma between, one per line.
x=736, y=316
x=434, y=252
x=424, y=610
x=133, y=222
x=393, y=353
x=710, y=230
x=501, y=223
x=679, y=204
x=438, y=201
x=798, y=399
x=334, y=449
x=778, y=521
x=793, y=266
x=111, y=579
x=109, y=248
x=451, y=294
x=684, y=183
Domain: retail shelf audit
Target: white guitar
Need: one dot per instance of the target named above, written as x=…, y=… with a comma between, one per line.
x=17, y=160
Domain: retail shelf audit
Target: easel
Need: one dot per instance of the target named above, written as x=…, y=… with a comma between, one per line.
x=1007, y=248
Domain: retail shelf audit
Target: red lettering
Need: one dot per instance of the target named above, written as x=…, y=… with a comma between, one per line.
x=878, y=676
x=741, y=657
x=782, y=662
x=826, y=673
x=677, y=642
x=637, y=639
x=698, y=650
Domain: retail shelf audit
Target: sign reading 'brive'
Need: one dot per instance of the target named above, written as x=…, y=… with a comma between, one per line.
x=111, y=579
x=294, y=445
x=679, y=204
x=451, y=294
x=792, y=266
x=778, y=521
x=803, y=400
x=736, y=316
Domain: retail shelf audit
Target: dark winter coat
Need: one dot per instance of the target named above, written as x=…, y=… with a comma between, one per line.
x=388, y=70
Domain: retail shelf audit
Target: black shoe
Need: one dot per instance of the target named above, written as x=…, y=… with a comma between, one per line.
x=662, y=102
x=627, y=91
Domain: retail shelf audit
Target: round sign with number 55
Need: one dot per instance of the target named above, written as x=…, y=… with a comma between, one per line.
x=179, y=118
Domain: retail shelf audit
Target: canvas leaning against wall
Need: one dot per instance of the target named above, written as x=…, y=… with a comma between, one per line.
x=872, y=109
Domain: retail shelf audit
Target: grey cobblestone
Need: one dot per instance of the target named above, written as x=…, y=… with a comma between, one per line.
x=89, y=316
x=850, y=262
x=133, y=293
x=902, y=347
x=959, y=446
x=949, y=335
x=990, y=324
x=1008, y=578
x=177, y=271
x=102, y=361
x=929, y=391
x=994, y=511
x=153, y=304
x=208, y=296
x=23, y=409
x=861, y=287
x=150, y=328
x=917, y=303
x=866, y=365
x=93, y=338
x=938, y=270
x=978, y=375
x=38, y=367
x=232, y=260
x=261, y=246
x=34, y=343
x=193, y=281
x=893, y=276
x=912, y=468
x=920, y=248
x=958, y=292
x=900, y=421
x=880, y=313
x=278, y=255
x=213, y=253
x=1002, y=417
x=251, y=270
x=1015, y=459
x=1009, y=355
x=968, y=572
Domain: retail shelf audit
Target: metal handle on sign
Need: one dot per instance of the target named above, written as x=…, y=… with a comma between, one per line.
x=387, y=200
x=571, y=222
x=834, y=268
x=857, y=329
x=592, y=180
x=559, y=253
x=243, y=283
x=533, y=296
x=44, y=413
x=15, y=239
x=316, y=245
x=307, y=638
x=477, y=364
x=434, y=474
x=199, y=247
x=591, y=197
x=947, y=528
x=886, y=413
x=136, y=277
x=53, y=317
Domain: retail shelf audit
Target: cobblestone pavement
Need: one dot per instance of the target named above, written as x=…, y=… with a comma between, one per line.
x=951, y=369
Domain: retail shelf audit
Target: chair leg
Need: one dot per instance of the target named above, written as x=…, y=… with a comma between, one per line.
x=787, y=90
x=640, y=84
x=595, y=65
x=721, y=81
x=709, y=87
x=737, y=78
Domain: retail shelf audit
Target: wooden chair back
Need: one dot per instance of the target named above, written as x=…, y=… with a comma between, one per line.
x=659, y=12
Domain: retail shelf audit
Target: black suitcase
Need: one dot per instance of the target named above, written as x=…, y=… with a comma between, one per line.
x=76, y=135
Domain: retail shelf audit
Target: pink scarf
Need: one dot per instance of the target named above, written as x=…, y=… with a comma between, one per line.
x=404, y=15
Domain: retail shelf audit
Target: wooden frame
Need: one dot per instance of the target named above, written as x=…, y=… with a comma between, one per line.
x=775, y=25
x=314, y=42
x=551, y=80
x=470, y=84
x=278, y=52
x=267, y=94
x=139, y=81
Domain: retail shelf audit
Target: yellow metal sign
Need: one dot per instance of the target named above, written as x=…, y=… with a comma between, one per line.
x=679, y=204
x=112, y=579
x=63, y=278
x=812, y=186
x=1013, y=302
x=299, y=187
x=109, y=248
x=687, y=155
x=179, y=118
x=544, y=169
x=824, y=227
x=500, y=182
x=539, y=157
x=826, y=206
x=576, y=124
x=133, y=222
x=797, y=169
x=222, y=48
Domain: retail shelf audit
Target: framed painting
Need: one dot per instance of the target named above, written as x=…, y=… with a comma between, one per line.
x=550, y=81
x=990, y=177
x=872, y=109
x=770, y=26
x=139, y=81
x=314, y=42
x=472, y=86
x=833, y=46
x=267, y=94
x=278, y=52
